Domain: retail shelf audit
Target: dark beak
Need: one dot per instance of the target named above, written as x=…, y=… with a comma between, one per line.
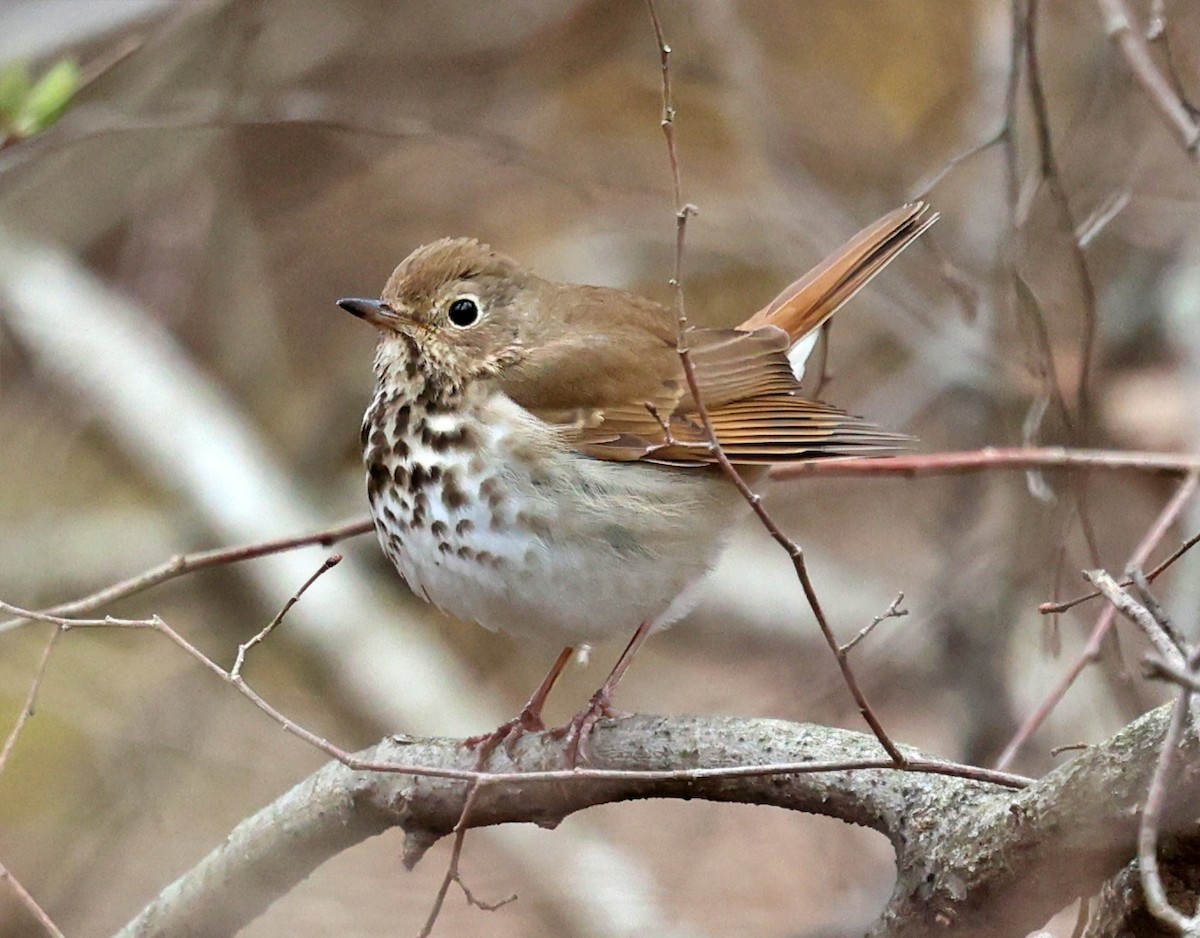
x=377, y=313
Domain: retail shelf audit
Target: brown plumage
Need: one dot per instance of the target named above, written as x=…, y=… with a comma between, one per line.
x=602, y=364
x=536, y=462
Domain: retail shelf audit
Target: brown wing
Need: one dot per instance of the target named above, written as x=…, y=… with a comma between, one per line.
x=632, y=402
x=752, y=399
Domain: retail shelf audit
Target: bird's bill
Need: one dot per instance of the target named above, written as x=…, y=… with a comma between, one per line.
x=376, y=312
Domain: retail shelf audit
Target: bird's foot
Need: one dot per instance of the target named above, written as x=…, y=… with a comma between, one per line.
x=506, y=734
x=578, y=730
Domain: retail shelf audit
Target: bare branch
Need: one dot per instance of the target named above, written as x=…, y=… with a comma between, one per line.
x=30, y=698
x=893, y=611
x=753, y=499
x=1151, y=576
x=182, y=564
x=30, y=903
x=1118, y=22
x=235, y=673
x=965, y=831
x=1156, y=796
x=1136, y=613
x=991, y=458
x=1091, y=652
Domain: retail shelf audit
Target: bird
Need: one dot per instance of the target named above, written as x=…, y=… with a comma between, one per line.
x=536, y=461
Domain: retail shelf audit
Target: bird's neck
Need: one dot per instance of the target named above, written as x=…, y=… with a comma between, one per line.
x=400, y=377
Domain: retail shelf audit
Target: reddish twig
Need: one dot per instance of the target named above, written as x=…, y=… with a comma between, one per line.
x=156, y=624
x=188, y=563
x=753, y=499
x=453, y=874
x=30, y=903
x=1104, y=622
x=988, y=458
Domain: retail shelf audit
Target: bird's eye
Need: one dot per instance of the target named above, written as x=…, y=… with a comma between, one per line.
x=464, y=312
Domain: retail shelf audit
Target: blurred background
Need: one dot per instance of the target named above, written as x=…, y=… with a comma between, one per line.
x=174, y=375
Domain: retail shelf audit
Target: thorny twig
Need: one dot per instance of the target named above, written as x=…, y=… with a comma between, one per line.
x=682, y=212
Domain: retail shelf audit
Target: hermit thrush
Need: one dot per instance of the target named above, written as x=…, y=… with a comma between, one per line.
x=535, y=459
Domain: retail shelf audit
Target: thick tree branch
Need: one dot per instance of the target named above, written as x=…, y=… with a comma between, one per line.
x=989, y=859
x=1006, y=864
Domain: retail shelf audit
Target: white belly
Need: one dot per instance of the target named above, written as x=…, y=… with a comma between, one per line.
x=575, y=550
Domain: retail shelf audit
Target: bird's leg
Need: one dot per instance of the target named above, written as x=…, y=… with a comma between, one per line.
x=579, y=727
x=529, y=720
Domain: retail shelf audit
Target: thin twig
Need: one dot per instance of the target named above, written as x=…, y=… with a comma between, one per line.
x=990, y=458
x=453, y=872
x=1118, y=22
x=1052, y=177
x=182, y=564
x=1136, y=613
x=30, y=698
x=1142, y=586
x=460, y=830
x=1162, y=670
x=893, y=611
x=156, y=624
x=236, y=672
x=1152, y=885
x=30, y=903
x=1091, y=652
x=921, y=193
x=753, y=499
x=1046, y=608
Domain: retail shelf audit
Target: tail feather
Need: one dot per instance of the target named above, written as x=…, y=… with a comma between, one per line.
x=806, y=304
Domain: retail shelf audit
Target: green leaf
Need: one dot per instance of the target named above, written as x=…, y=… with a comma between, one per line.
x=47, y=99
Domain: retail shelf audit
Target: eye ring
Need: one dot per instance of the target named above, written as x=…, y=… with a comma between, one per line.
x=464, y=312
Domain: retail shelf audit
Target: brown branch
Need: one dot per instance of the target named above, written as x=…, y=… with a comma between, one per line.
x=235, y=672
x=1136, y=613
x=182, y=564
x=30, y=903
x=1156, y=798
x=30, y=698
x=893, y=611
x=1091, y=652
x=453, y=871
x=753, y=499
x=1118, y=22
x=991, y=458
x=353, y=762
x=1050, y=608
